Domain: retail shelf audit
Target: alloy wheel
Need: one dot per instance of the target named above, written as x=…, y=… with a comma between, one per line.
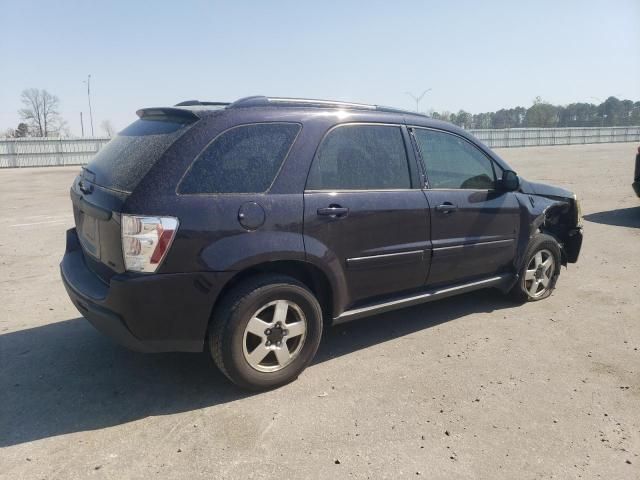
x=539, y=273
x=274, y=336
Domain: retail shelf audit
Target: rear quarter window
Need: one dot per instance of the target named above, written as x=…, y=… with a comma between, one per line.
x=244, y=159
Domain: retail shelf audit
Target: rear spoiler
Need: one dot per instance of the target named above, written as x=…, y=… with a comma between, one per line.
x=183, y=113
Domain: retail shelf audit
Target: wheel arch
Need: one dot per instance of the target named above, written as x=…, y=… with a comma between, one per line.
x=305, y=272
x=554, y=222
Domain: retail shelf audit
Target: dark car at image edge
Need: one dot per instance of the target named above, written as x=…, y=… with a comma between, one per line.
x=636, y=175
x=244, y=229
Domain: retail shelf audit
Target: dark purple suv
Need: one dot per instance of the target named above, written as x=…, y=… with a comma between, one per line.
x=244, y=228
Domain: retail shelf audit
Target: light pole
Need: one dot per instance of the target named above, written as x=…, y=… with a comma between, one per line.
x=418, y=98
x=88, y=82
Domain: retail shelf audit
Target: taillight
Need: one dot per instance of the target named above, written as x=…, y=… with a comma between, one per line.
x=146, y=241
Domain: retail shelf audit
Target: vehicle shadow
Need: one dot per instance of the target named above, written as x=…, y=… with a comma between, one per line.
x=65, y=377
x=620, y=217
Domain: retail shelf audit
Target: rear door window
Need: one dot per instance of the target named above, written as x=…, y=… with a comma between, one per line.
x=128, y=157
x=361, y=157
x=244, y=159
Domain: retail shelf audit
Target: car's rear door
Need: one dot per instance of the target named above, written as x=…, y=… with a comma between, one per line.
x=364, y=209
x=474, y=225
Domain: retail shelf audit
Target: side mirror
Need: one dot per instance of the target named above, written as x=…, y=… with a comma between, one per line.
x=510, y=181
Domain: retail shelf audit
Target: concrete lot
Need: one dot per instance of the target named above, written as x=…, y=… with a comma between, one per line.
x=469, y=387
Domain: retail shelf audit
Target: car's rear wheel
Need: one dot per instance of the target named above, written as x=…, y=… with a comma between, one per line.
x=265, y=331
x=540, y=270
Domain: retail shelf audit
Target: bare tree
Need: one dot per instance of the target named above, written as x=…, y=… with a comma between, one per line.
x=63, y=130
x=40, y=111
x=21, y=131
x=8, y=133
x=108, y=128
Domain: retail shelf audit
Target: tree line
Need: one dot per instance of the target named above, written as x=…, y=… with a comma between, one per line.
x=610, y=113
x=40, y=117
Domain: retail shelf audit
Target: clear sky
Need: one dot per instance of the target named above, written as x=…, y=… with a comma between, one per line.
x=477, y=56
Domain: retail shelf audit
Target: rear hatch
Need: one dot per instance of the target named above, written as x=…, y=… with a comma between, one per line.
x=100, y=191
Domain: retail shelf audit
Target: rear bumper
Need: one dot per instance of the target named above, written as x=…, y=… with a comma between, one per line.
x=636, y=187
x=148, y=313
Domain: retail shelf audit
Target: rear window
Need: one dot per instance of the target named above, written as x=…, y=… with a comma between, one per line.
x=128, y=157
x=244, y=159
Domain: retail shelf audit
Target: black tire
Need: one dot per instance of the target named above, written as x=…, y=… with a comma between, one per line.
x=226, y=336
x=521, y=291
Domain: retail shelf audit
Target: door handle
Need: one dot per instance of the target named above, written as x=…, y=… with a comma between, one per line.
x=446, y=207
x=334, y=211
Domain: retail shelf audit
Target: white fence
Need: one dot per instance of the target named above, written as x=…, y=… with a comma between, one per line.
x=530, y=137
x=44, y=152
x=47, y=152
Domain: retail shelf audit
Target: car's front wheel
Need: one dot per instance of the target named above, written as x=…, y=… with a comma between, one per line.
x=540, y=270
x=265, y=332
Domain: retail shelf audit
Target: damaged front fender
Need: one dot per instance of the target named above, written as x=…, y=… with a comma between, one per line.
x=553, y=211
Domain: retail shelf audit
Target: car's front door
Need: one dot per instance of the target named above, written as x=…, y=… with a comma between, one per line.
x=364, y=213
x=474, y=225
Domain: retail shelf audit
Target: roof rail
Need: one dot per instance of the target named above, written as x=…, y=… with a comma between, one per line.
x=382, y=108
x=262, y=101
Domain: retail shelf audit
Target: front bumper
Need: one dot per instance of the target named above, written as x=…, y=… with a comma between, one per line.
x=149, y=313
x=573, y=245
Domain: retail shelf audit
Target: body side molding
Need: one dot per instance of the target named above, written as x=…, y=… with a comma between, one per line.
x=427, y=296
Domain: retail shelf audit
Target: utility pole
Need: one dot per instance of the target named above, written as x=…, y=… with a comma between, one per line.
x=418, y=98
x=88, y=82
x=81, y=124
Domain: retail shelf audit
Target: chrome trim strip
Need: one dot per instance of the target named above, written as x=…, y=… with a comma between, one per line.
x=384, y=255
x=357, y=312
x=371, y=190
x=509, y=240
